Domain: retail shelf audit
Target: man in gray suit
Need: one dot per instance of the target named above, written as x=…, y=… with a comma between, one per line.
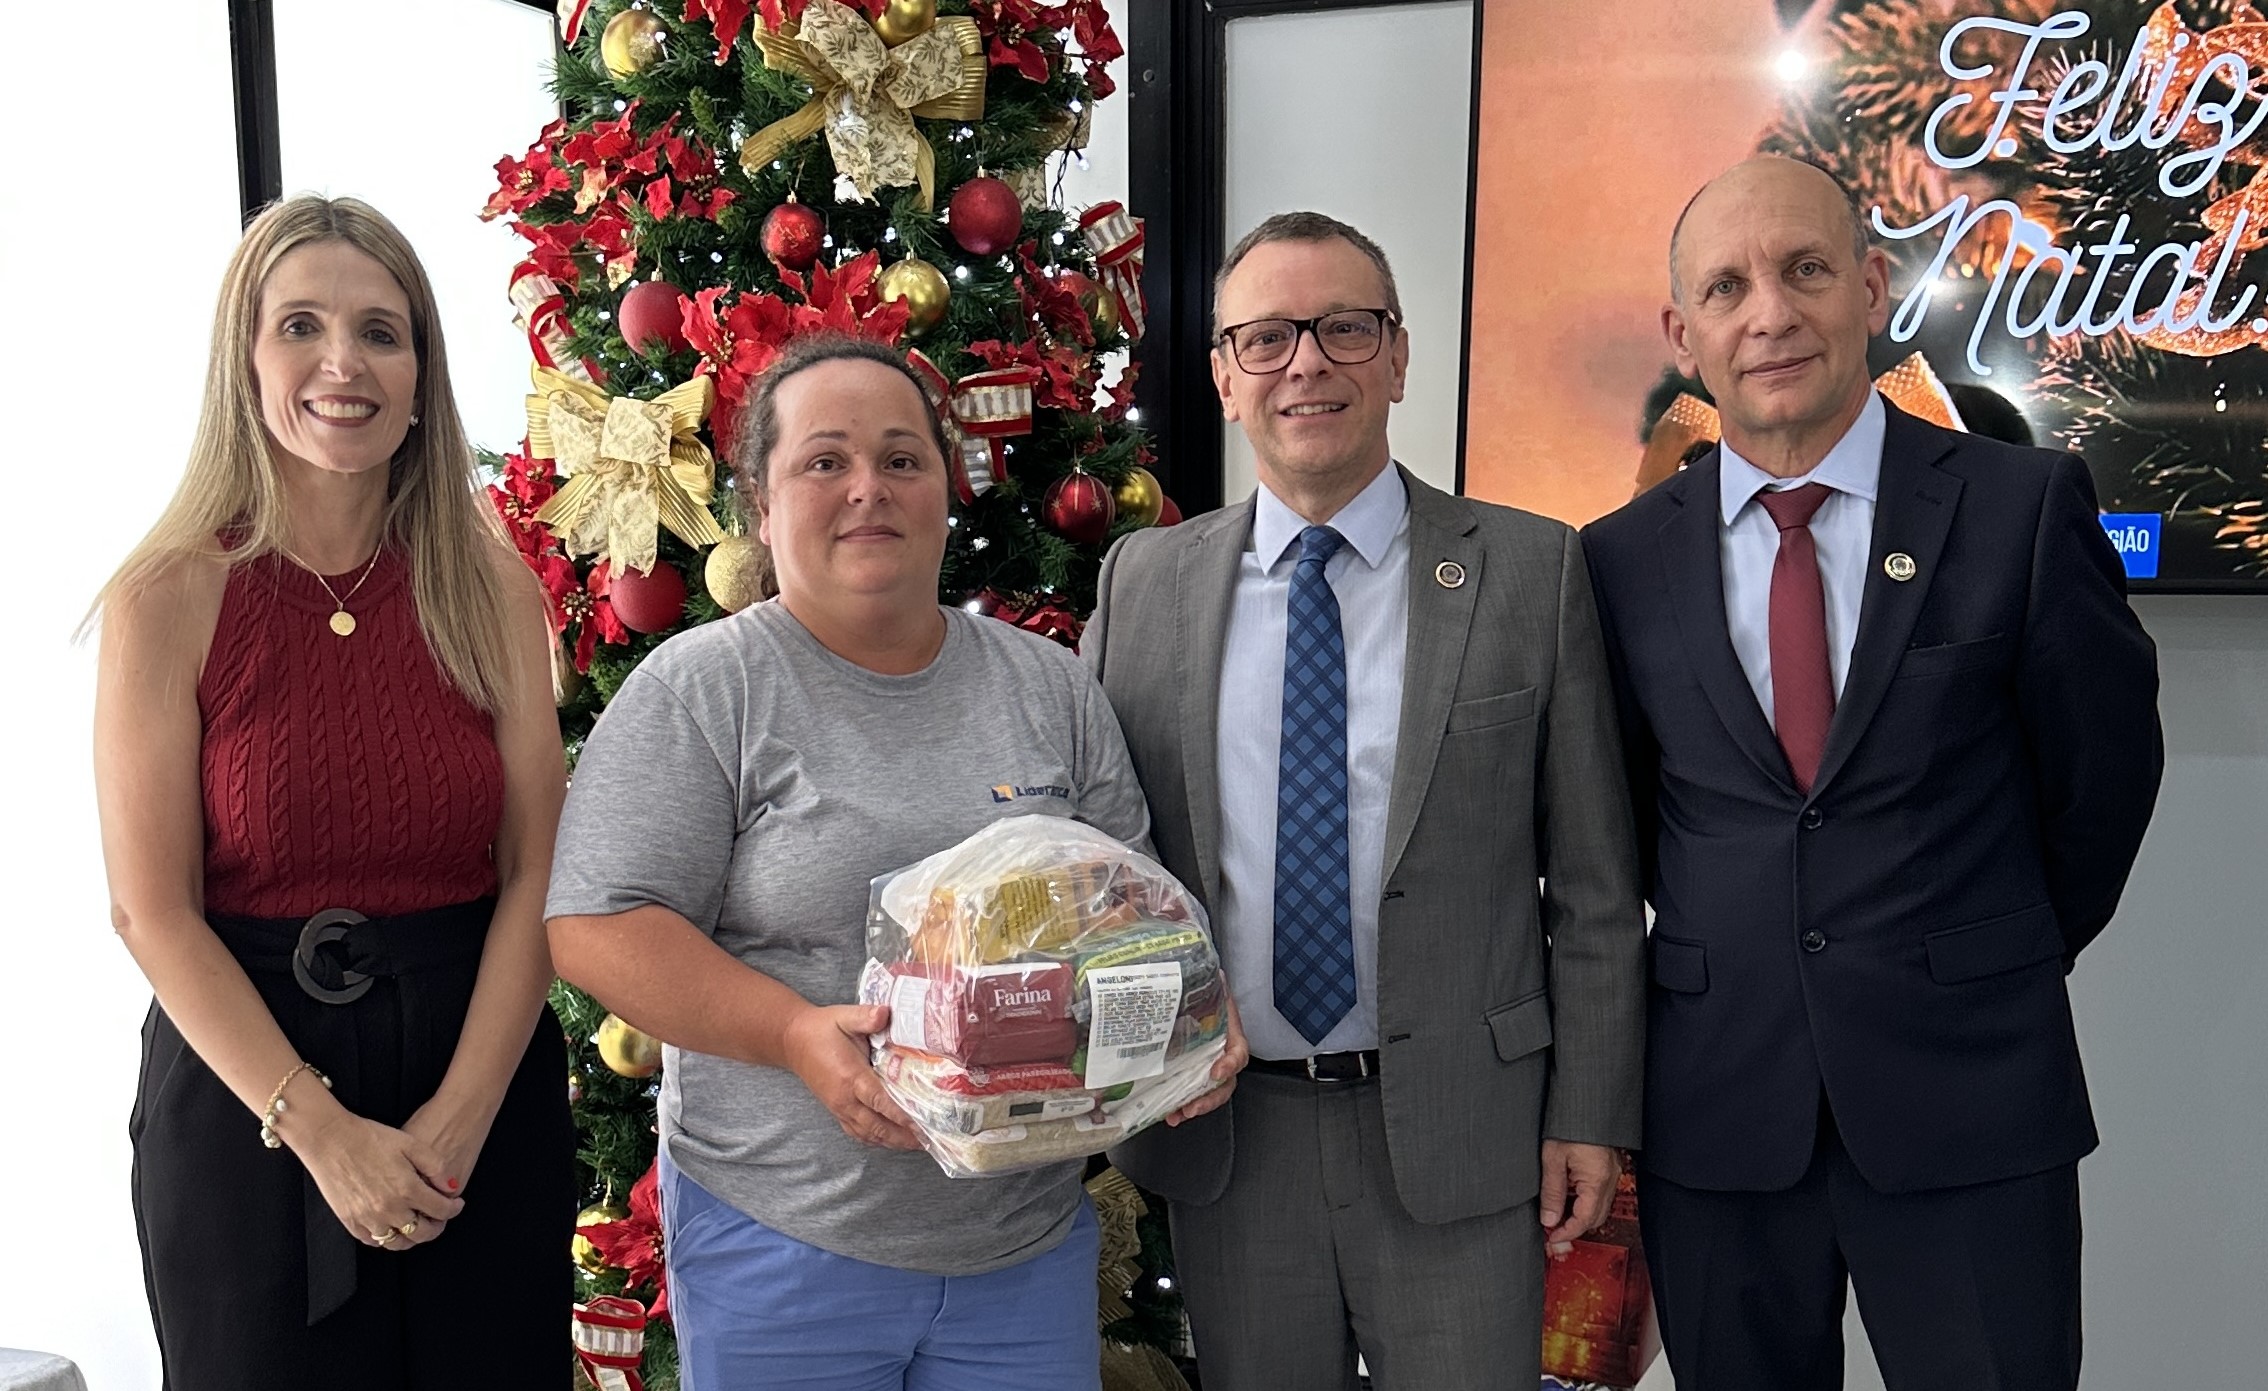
x=1374, y=725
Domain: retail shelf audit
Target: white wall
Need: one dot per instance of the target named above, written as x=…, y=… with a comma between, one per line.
x=351, y=128
x=1364, y=114
x=113, y=300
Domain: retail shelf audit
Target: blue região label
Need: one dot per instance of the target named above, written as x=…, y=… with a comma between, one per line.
x=2136, y=536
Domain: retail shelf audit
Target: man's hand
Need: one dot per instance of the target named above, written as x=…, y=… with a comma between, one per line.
x=1578, y=1187
x=1231, y=1062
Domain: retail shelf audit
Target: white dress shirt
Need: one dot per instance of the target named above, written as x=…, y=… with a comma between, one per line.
x=1370, y=577
x=1842, y=531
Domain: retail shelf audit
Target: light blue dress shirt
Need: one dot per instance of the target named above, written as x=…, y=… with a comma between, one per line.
x=1842, y=531
x=1370, y=577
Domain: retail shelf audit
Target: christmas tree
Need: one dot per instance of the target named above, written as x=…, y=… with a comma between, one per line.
x=728, y=175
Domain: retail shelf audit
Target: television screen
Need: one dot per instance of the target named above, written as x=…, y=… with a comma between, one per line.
x=2073, y=198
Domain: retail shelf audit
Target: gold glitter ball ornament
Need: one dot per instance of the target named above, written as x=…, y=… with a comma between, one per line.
x=1140, y=498
x=739, y=573
x=628, y=1050
x=904, y=20
x=634, y=41
x=924, y=289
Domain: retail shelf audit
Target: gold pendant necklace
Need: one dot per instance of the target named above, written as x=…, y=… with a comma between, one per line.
x=342, y=622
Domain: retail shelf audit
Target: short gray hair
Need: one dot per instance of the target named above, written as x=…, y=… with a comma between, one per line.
x=1305, y=227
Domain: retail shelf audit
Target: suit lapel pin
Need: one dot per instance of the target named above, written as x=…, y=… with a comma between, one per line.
x=1449, y=575
x=1898, y=566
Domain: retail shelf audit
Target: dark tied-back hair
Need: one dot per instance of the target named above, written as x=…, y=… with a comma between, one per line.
x=758, y=430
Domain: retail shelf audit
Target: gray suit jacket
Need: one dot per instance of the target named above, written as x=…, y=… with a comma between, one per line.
x=1506, y=1011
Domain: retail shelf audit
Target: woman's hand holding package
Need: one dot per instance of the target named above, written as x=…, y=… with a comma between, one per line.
x=386, y=1186
x=1224, y=1070
x=826, y=1047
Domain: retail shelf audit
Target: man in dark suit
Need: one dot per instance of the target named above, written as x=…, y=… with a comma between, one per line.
x=1374, y=724
x=1893, y=741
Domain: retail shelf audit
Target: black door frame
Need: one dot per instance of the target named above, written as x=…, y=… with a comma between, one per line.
x=1177, y=130
x=252, y=64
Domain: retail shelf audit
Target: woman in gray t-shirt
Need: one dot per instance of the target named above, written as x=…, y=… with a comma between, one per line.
x=728, y=812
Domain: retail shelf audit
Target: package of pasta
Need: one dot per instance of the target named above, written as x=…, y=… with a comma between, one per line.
x=1051, y=992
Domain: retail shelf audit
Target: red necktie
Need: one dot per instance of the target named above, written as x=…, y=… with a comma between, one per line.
x=1803, y=687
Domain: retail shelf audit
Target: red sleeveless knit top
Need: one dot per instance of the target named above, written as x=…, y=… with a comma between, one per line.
x=339, y=772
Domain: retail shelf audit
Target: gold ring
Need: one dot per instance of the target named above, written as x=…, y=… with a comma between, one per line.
x=380, y=1238
x=407, y=1229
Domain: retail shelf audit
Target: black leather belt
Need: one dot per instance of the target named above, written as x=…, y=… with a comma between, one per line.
x=1323, y=1067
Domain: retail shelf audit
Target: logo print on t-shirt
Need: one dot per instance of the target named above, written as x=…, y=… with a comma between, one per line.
x=1009, y=792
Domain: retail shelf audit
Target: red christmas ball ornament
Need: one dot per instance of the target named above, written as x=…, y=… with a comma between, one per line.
x=987, y=216
x=1169, y=514
x=648, y=603
x=1079, y=506
x=652, y=316
x=792, y=235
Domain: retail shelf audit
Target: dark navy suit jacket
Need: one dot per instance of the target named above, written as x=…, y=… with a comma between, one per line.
x=1899, y=937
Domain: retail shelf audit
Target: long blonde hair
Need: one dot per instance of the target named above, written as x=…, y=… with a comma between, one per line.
x=434, y=512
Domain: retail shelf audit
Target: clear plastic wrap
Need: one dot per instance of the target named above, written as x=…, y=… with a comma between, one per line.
x=1051, y=992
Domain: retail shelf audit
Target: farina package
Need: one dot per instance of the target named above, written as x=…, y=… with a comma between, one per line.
x=1051, y=992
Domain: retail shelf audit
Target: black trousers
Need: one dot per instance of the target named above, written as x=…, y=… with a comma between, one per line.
x=1960, y=1289
x=253, y=1282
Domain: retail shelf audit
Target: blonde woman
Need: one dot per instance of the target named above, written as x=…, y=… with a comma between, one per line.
x=329, y=776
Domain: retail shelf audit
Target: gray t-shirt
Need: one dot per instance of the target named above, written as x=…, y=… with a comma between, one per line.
x=754, y=782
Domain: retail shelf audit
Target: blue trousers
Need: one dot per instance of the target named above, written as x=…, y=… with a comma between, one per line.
x=756, y=1308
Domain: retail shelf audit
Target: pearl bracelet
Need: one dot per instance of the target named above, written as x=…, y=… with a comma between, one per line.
x=277, y=1105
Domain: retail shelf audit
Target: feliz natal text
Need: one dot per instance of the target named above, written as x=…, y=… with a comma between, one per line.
x=2088, y=83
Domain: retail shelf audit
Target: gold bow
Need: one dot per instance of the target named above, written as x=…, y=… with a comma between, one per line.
x=632, y=467
x=865, y=94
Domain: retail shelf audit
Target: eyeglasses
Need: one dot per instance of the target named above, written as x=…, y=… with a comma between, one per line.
x=1348, y=337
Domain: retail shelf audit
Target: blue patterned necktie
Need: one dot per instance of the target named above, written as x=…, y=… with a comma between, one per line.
x=1315, y=978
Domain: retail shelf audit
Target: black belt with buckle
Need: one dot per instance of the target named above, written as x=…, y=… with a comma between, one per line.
x=317, y=975
x=1323, y=1067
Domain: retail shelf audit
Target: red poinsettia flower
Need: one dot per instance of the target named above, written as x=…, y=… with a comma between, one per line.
x=845, y=299
x=704, y=192
x=1010, y=28
x=557, y=575
x=557, y=246
x=736, y=345
x=589, y=608
x=727, y=17
x=1089, y=24
x=1049, y=303
x=526, y=485
x=634, y=1244
x=1044, y=614
x=522, y=183
x=603, y=152
x=1122, y=391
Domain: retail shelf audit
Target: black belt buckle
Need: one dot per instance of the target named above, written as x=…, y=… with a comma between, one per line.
x=325, y=927
x=1341, y=1067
